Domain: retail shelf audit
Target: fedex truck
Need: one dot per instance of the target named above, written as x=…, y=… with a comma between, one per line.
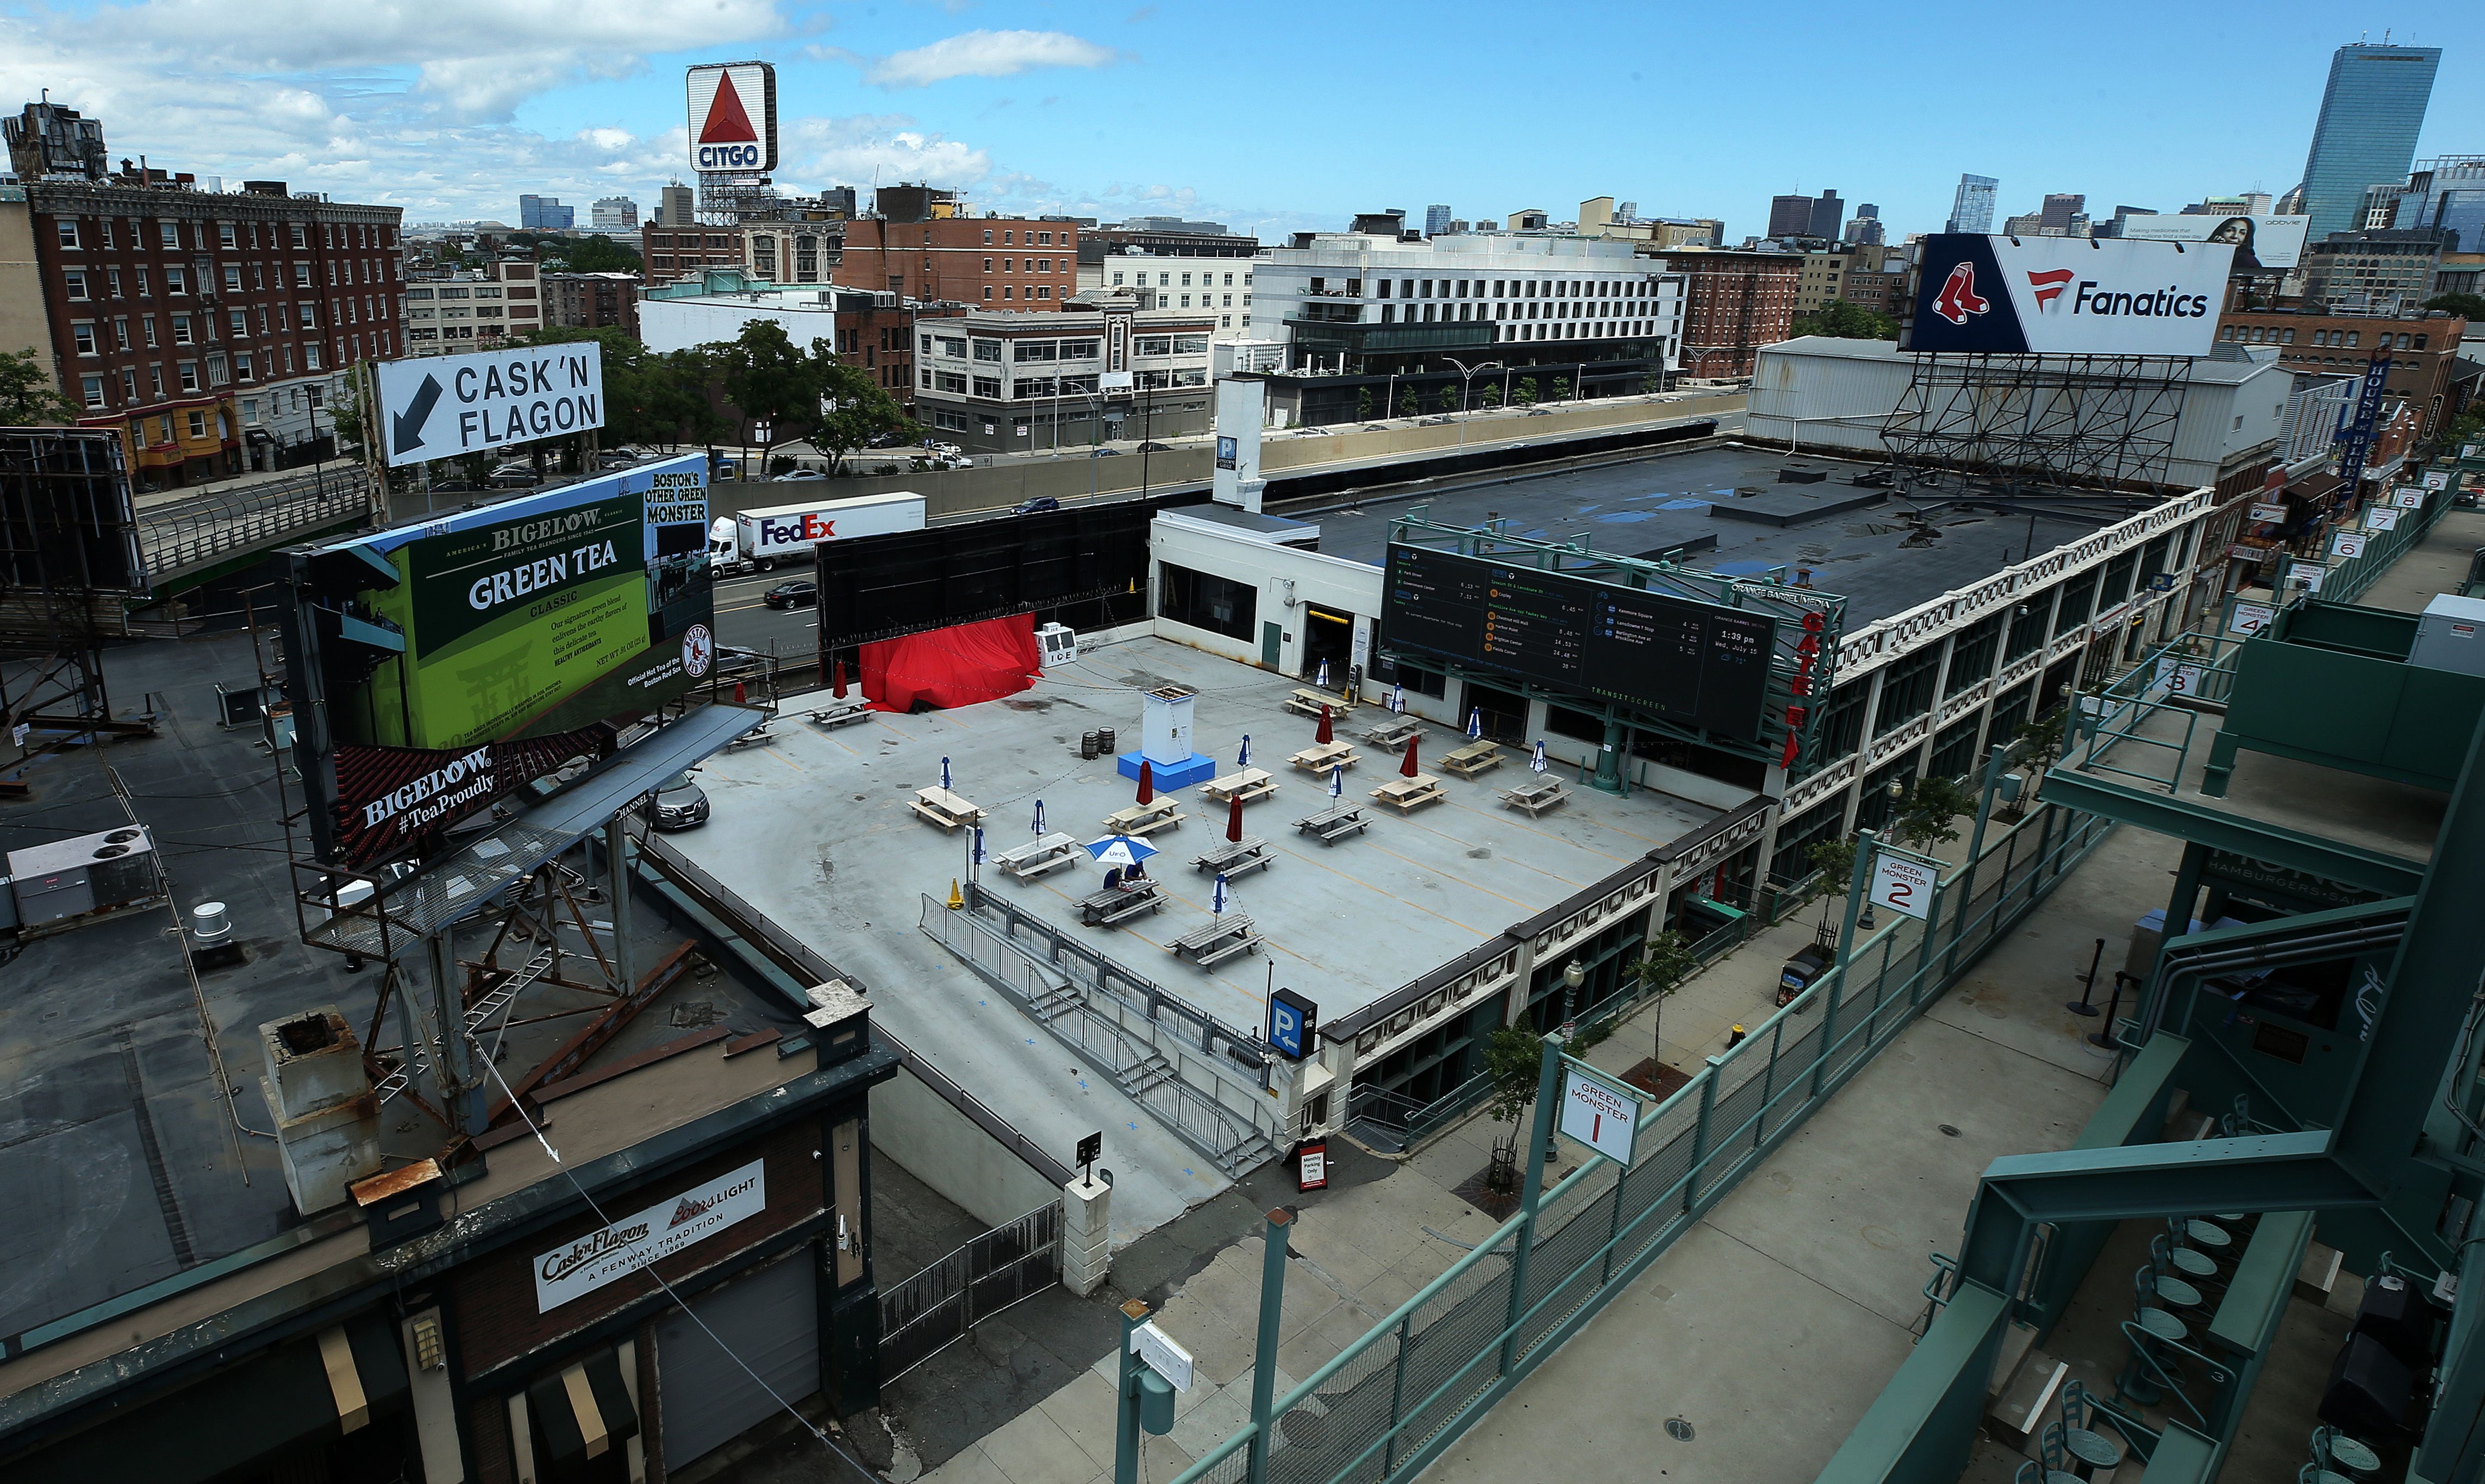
x=759, y=540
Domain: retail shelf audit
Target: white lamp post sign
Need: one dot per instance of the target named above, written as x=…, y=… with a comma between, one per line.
x=1600, y=1115
x=1904, y=884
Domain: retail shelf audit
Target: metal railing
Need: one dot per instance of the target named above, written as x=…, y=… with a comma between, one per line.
x=1392, y=1401
x=254, y=516
x=924, y=1315
x=1153, y=1055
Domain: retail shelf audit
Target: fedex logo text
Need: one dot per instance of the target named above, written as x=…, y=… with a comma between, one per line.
x=794, y=532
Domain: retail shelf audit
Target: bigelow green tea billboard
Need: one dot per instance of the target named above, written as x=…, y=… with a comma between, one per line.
x=542, y=614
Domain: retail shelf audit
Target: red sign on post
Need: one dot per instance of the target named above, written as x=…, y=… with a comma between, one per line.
x=1311, y=1165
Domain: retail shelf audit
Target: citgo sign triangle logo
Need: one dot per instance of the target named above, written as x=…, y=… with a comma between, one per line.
x=733, y=117
x=727, y=123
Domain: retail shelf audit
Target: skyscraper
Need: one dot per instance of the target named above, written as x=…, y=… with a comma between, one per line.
x=545, y=213
x=1437, y=221
x=1972, y=209
x=1828, y=214
x=1789, y=215
x=2054, y=218
x=2366, y=136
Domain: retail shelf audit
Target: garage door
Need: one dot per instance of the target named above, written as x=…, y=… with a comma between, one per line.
x=770, y=1321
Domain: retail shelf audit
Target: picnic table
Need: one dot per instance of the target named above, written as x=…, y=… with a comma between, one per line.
x=1320, y=757
x=835, y=714
x=1110, y=906
x=1038, y=858
x=1307, y=702
x=943, y=808
x=1230, y=933
x=1163, y=811
x=1472, y=759
x=1394, y=731
x=1406, y=794
x=1235, y=857
x=1334, y=823
x=1246, y=784
x=756, y=736
x=1538, y=797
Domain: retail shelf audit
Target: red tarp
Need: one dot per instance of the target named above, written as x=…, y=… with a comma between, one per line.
x=954, y=666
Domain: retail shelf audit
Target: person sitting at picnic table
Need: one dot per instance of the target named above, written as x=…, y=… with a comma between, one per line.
x=1137, y=876
x=1112, y=878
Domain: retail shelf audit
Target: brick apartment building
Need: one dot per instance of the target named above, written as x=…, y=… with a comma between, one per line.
x=1008, y=262
x=1733, y=303
x=783, y=251
x=592, y=301
x=2423, y=349
x=210, y=328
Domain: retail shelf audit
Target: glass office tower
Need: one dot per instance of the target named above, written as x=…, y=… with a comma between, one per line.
x=2367, y=133
x=1972, y=209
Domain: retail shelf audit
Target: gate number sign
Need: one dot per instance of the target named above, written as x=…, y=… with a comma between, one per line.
x=1600, y=1117
x=1902, y=885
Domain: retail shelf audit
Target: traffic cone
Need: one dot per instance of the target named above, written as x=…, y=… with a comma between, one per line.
x=958, y=903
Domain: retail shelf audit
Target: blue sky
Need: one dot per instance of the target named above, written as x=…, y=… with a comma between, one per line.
x=1268, y=118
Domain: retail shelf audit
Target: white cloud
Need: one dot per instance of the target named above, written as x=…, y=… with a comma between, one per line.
x=987, y=54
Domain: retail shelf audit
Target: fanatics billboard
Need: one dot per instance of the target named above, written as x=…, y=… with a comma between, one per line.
x=2069, y=296
x=733, y=117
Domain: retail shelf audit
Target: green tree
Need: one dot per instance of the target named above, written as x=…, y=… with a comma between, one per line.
x=2469, y=306
x=1513, y=1060
x=346, y=417
x=1661, y=969
x=1926, y=810
x=1408, y=406
x=857, y=409
x=1648, y=385
x=596, y=254
x=1841, y=319
x=1363, y=404
x=1490, y=397
x=1525, y=395
x=778, y=386
x=28, y=398
x=1561, y=389
x=1448, y=401
x=1835, y=861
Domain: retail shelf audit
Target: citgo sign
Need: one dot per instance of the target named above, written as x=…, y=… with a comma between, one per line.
x=733, y=117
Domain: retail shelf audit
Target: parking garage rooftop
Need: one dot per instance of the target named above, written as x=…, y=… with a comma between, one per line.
x=1725, y=508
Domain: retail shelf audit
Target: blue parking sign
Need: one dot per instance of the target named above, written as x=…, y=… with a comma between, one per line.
x=1291, y=1020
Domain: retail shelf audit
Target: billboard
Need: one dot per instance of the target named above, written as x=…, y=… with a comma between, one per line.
x=443, y=406
x=1698, y=665
x=733, y=117
x=2260, y=242
x=477, y=651
x=2069, y=296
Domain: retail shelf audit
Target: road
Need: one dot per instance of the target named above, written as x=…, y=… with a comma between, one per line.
x=744, y=621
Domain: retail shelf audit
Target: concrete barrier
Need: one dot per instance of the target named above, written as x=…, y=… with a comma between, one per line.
x=945, y=1149
x=1022, y=477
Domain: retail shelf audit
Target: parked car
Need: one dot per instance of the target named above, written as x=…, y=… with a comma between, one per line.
x=1152, y=447
x=795, y=475
x=1437, y=422
x=677, y=803
x=1036, y=506
x=801, y=593
x=1103, y=451
x=1540, y=412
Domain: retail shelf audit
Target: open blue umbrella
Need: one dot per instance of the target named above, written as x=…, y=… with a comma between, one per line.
x=1398, y=699
x=945, y=775
x=1216, y=898
x=1322, y=680
x=1536, y=762
x=1337, y=783
x=1038, y=825
x=1120, y=851
x=1244, y=758
x=1475, y=723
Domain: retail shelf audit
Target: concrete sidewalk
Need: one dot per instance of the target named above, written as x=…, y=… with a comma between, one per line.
x=1780, y=1316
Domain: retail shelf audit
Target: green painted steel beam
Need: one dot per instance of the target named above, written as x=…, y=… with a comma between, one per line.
x=1902, y=1432
x=2393, y=875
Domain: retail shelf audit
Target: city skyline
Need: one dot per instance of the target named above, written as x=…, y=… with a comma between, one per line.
x=1019, y=109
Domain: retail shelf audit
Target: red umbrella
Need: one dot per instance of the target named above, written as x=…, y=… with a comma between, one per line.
x=1408, y=767
x=840, y=672
x=737, y=692
x=1326, y=736
x=1234, y=818
x=1147, y=783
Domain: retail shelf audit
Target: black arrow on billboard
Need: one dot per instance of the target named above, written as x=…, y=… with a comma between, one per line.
x=407, y=429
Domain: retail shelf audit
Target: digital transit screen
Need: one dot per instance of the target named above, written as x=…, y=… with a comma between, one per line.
x=1692, y=664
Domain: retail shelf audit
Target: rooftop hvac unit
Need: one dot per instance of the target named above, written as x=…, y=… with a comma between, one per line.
x=88, y=873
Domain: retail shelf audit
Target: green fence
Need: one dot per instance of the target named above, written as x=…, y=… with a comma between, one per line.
x=2347, y=580
x=1395, y=1398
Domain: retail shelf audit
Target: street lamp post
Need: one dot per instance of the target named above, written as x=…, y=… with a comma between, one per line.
x=1573, y=975
x=1466, y=375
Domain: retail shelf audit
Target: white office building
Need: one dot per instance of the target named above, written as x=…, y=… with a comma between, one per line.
x=613, y=213
x=472, y=309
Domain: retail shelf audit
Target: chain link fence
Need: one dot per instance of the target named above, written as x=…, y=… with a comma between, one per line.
x=1392, y=1401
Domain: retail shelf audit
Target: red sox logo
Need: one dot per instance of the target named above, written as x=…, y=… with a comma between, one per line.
x=1958, y=298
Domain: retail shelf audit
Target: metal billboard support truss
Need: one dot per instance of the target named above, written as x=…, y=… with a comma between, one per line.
x=2055, y=422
